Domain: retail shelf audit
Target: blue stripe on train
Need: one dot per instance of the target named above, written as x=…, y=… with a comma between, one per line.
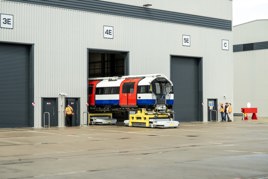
x=142, y=102
x=152, y=101
x=170, y=101
x=107, y=102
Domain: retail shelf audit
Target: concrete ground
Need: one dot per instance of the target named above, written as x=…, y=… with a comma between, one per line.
x=214, y=150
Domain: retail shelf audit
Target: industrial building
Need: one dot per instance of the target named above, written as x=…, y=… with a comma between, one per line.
x=49, y=49
x=250, y=64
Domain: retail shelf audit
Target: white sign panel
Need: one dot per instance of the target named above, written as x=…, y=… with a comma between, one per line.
x=108, y=32
x=6, y=21
x=186, y=40
x=225, y=44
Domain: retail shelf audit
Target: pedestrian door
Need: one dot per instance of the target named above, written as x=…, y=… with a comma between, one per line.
x=128, y=92
x=75, y=103
x=212, y=110
x=49, y=112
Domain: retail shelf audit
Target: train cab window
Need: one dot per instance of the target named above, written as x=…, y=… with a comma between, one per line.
x=128, y=88
x=168, y=88
x=157, y=88
x=143, y=89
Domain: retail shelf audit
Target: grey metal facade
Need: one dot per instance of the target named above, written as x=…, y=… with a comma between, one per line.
x=250, y=66
x=63, y=33
x=136, y=12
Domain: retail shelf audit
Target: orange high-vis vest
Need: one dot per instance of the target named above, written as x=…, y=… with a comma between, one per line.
x=69, y=110
x=230, y=109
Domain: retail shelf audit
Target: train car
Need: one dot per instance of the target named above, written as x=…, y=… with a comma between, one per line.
x=129, y=92
x=146, y=99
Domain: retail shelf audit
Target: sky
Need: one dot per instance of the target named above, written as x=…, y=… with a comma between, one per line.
x=249, y=10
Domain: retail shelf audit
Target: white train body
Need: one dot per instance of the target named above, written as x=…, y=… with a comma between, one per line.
x=140, y=91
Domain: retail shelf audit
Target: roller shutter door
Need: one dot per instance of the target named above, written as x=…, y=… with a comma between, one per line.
x=14, y=85
x=186, y=75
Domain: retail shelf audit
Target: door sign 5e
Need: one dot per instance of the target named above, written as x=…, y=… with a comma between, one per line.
x=186, y=40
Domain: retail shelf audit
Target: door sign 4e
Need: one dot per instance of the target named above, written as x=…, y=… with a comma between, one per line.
x=108, y=32
x=6, y=21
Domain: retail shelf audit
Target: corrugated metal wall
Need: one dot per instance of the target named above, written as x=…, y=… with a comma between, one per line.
x=62, y=37
x=125, y=10
x=250, y=64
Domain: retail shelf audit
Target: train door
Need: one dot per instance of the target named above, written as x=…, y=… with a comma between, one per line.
x=91, y=92
x=128, y=92
x=75, y=103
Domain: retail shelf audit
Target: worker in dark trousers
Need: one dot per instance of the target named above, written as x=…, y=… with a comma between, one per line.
x=69, y=112
x=222, y=112
x=226, y=108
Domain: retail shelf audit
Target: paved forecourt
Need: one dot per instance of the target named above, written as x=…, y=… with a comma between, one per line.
x=194, y=150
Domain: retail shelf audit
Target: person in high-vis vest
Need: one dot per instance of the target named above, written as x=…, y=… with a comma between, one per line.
x=230, y=110
x=222, y=112
x=69, y=112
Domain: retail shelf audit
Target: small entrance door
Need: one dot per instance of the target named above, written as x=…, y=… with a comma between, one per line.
x=49, y=112
x=128, y=92
x=75, y=103
x=212, y=110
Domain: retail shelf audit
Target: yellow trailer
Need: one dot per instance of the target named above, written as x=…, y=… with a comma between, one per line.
x=144, y=118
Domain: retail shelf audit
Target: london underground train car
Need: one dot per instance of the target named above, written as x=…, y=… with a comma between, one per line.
x=129, y=92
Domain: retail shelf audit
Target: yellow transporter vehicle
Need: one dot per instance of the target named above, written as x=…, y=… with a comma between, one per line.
x=153, y=119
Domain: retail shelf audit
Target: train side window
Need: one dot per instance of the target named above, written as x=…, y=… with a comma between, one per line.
x=90, y=89
x=128, y=88
x=143, y=89
x=99, y=91
x=107, y=90
x=115, y=90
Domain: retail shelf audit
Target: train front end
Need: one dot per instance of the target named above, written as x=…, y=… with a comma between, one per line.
x=155, y=98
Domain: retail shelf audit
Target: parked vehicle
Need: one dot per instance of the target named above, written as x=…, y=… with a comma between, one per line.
x=147, y=99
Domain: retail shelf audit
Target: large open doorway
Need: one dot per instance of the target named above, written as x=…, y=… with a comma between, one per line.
x=103, y=63
x=107, y=63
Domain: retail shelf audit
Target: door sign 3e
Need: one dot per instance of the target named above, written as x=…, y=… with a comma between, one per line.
x=6, y=21
x=108, y=32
